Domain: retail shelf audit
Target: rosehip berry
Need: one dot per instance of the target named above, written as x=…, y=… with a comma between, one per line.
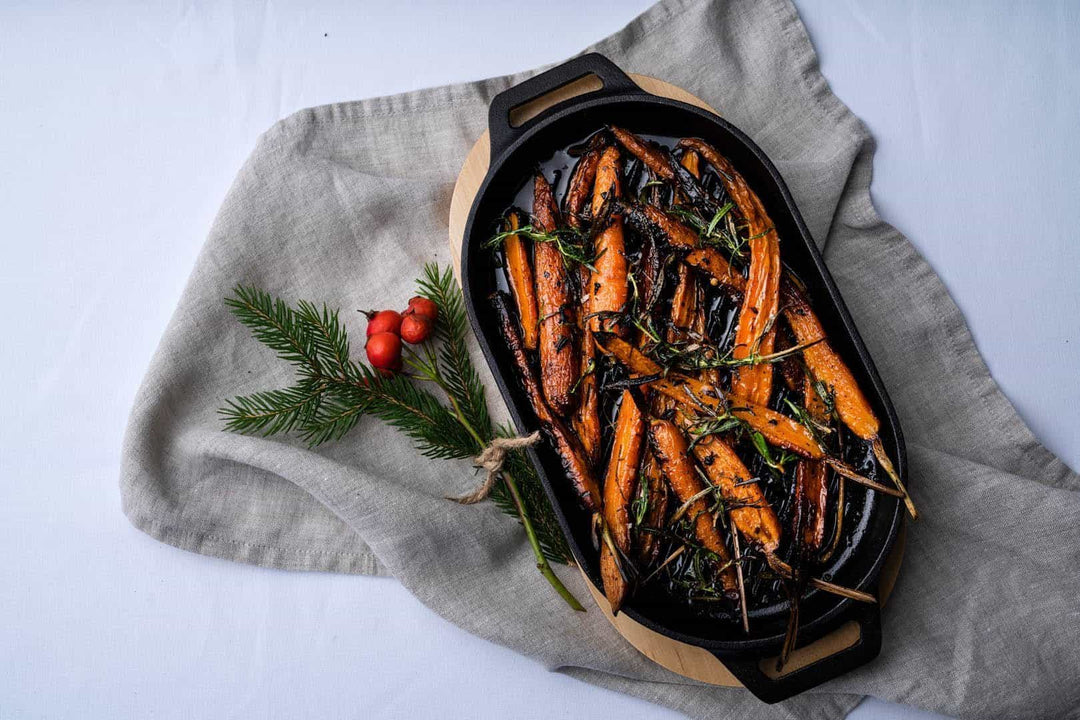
x=415, y=328
x=425, y=307
x=384, y=321
x=384, y=351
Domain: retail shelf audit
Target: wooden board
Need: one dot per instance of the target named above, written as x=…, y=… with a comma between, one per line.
x=687, y=660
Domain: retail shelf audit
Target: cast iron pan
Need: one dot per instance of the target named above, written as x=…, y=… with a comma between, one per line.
x=515, y=152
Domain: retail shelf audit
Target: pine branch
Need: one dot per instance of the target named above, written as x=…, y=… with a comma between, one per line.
x=274, y=411
x=328, y=336
x=462, y=380
x=548, y=532
x=276, y=325
x=334, y=392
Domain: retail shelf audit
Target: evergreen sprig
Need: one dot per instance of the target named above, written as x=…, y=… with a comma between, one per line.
x=333, y=392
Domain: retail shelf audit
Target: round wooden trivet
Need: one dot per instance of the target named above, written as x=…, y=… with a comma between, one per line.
x=687, y=660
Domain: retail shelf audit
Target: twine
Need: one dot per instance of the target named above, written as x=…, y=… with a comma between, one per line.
x=492, y=460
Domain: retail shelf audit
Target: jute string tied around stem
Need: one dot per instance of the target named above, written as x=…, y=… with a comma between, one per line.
x=492, y=460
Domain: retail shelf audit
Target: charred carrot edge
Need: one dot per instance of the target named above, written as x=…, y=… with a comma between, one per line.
x=684, y=300
x=636, y=361
x=655, y=160
x=657, y=502
x=620, y=484
x=677, y=234
x=712, y=262
x=586, y=417
x=811, y=490
x=663, y=166
x=558, y=357
x=608, y=289
x=580, y=188
x=761, y=298
x=827, y=368
x=672, y=451
x=522, y=286
x=751, y=512
x=573, y=460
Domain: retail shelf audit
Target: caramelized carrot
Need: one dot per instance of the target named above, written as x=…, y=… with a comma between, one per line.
x=559, y=362
x=656, y=502
x=777, y=429
x=636, y=361
x=654, y=158
x=579, y=191
x=712, y=262
x=573, y=459
x=761, y=299
x=671, y=450
x=750, y=511
x=586, y=417
x=620, y=484
x=608, y=288
x=811, y=490
x=684, y=300
x=827, y=368
x=692, y=162
x=519, y=271
x=678, y=234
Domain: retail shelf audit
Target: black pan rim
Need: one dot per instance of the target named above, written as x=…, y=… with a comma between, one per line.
x=831, y=618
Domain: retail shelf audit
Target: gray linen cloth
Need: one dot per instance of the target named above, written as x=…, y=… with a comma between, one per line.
x=344, y=203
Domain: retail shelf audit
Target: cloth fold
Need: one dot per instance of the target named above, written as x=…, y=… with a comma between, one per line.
x=344, y=203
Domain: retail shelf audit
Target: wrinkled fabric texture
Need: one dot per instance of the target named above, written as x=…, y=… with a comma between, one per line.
x=344, y=204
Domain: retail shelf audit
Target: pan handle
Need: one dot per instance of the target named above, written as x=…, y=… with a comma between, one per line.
x=503, y=134
x=773, y=690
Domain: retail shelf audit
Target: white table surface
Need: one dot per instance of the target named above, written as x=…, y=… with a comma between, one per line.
x=122, y=125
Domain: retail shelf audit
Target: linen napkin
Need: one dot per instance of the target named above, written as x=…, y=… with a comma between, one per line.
x=344, y=203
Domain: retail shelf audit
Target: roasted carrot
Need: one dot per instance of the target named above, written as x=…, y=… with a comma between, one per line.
x=656, y=502
x=654, y=158
x=750, y=511
x=637, y=362
x=586, y=417
x=776, y=428
x=580, y=189
x=677, y=234
x=620, y=484
x=811, y=490
x=684, y=303
x=827, y=368
x=754, y=332
x=712, y=262
x=519, y=271
x=559, y=360
x=661, y=164
x=608, y=288
x=672, y=452
x=570, y=452
x=692, y=162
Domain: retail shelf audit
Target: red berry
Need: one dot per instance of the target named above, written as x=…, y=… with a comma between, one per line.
x=425, y=307
x=388, y=321
x=415, y=328
x=384, y=351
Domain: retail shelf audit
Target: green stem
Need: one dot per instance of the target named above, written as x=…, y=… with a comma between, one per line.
x=530, y=532
x=541, y=562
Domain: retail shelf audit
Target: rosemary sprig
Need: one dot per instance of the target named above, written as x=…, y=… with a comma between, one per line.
x=333, y=392
x=572, y=243
x=710, y=230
